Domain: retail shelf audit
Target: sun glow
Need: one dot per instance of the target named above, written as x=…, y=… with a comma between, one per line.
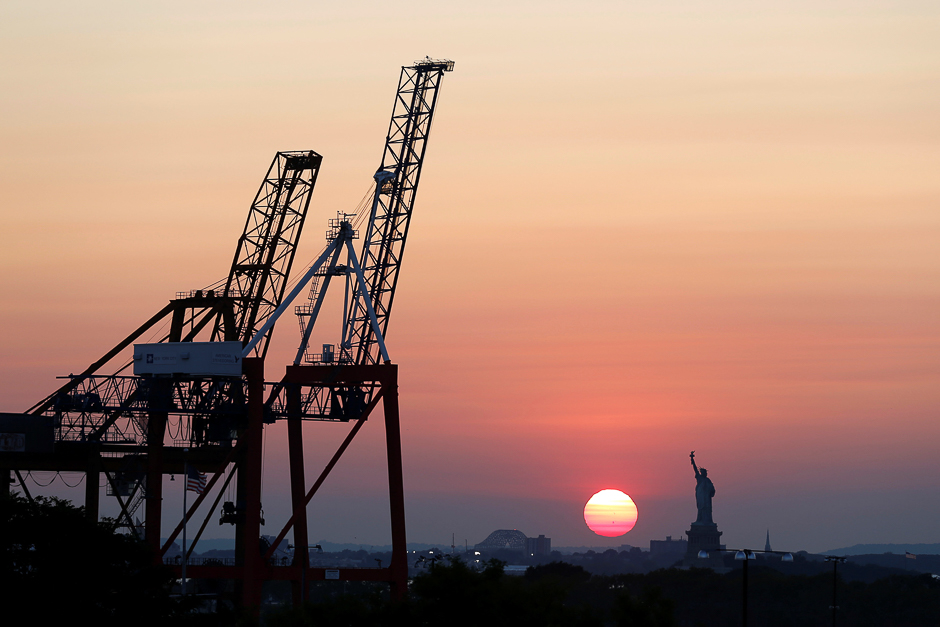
x=610, y=513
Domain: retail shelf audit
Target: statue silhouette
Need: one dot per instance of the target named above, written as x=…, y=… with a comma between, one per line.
x=704, y=491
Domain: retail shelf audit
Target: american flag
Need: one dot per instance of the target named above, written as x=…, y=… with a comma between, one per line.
x=196, y=481
x=910, y=555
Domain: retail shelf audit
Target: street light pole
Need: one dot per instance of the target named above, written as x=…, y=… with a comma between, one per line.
x=835, y=565
x=746, y=555
x=744, y=591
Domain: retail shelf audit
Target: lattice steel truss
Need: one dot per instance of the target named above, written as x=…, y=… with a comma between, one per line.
x=266, y=249
x=94, y=407
x=114, y=408
x=396, y=185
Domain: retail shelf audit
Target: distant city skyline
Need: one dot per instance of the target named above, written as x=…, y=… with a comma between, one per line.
x=858, y=549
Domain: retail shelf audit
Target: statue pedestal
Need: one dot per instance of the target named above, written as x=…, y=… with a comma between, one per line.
x=703, y=537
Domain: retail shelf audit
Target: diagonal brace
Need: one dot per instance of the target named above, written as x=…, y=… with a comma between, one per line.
x=368, y=302
x=323, y=475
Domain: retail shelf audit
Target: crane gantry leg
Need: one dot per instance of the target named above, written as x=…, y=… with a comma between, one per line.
x=295, y=449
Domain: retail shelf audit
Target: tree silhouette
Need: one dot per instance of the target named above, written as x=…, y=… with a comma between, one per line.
x=59, y=566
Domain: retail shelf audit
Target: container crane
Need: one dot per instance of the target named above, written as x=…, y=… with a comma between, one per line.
x=213, y=392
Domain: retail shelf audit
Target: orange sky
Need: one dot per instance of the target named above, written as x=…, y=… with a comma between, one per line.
x=642, y=229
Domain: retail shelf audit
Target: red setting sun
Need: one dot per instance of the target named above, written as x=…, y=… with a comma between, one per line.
x=610, y=513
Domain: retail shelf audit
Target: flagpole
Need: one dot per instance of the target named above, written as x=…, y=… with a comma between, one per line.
x=185, y=490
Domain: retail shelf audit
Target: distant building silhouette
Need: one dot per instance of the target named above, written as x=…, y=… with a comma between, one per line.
x=515, y=540
x=767, y=544
x=668, y=549
x=511, y=539
x=538, y=546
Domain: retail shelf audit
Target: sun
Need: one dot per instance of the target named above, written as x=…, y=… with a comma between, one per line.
x=610, y=513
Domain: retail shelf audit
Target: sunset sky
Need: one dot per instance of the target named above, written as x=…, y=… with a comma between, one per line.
x=643, y=228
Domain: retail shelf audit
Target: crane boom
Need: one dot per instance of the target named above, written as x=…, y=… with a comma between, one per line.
x=396, y=183
x=265, y=251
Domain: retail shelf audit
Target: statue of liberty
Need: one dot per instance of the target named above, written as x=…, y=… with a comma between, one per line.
x=704, y=491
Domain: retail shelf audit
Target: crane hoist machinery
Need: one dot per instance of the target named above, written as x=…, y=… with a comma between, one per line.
x=193, y=391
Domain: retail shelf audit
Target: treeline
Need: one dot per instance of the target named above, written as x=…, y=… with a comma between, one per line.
x=562, y=594
x=59, y=568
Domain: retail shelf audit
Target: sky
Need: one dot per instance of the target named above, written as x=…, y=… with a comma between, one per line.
x=642, y=229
